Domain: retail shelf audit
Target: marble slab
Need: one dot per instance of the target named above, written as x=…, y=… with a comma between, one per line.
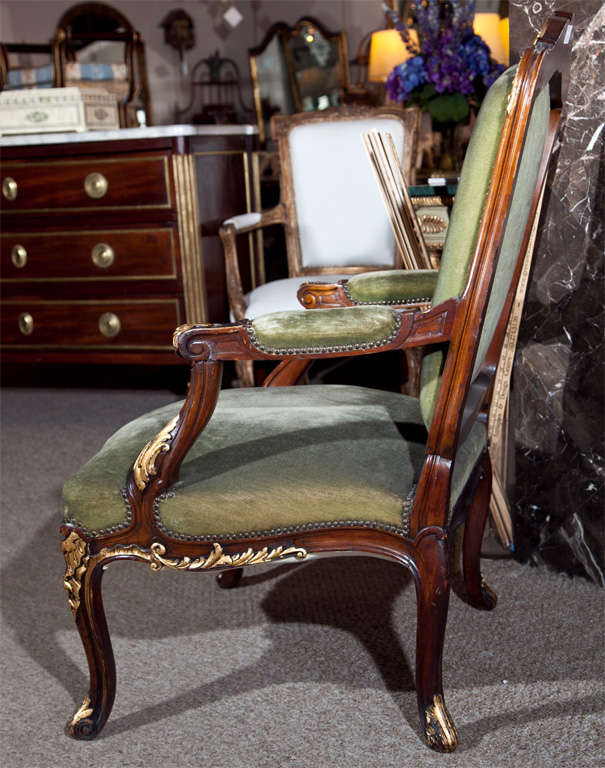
x=557, y=402
x=150, y=132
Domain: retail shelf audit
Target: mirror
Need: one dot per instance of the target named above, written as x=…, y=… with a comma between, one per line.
x=297, y=69
x=317, y=65
x=270, y=79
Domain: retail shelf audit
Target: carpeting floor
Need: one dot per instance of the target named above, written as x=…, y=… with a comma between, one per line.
x=303, y=665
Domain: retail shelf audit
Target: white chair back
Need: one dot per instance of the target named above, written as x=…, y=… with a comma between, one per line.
x=341, y=217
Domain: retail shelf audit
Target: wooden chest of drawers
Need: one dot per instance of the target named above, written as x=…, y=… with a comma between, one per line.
x=107, y=245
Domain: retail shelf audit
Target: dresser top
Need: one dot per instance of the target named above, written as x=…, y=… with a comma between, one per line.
x=152, y=132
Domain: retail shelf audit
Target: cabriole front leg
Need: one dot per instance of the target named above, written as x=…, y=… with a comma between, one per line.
x=432, y=594
x=83, y=576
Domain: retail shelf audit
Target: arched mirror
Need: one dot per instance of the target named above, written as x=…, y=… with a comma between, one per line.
x=99, y=48
x=297, y=69
x=317, y=63
x=270, y=79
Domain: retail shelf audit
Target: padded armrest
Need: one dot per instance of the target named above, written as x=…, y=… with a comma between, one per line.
x=394, y=287
x=350, y=327
x=248, y=222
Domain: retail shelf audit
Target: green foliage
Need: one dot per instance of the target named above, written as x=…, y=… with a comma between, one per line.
x=448, y=108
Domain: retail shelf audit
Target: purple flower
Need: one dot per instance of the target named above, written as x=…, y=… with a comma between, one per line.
x=405, y=78
x=452, y=58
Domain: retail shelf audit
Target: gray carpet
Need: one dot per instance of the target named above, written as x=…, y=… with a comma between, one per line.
x=303, y=665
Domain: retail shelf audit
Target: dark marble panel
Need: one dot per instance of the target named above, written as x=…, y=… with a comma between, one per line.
x=557, y=402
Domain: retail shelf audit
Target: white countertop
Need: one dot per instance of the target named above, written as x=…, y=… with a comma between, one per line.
x=152, y=132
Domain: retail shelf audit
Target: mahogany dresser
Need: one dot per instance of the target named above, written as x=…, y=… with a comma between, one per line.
x=109, y=240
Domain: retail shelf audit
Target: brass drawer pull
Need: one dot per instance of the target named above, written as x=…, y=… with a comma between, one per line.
x=102, y=255
x=26, y=323
x=95, y=185
x=9, y=188
x=109, y=324
x=19, y=256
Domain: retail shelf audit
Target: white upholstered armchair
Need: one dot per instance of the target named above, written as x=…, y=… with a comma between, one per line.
x=334, y=219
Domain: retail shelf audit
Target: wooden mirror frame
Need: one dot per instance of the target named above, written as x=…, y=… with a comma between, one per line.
x=338, y=38
x=284, y=32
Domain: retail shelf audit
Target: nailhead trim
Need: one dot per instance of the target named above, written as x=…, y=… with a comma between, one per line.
x=112, y=528
x=312, y=350
x=420, y=300
x=406, y=510
x=404, y=530
x=301, y=527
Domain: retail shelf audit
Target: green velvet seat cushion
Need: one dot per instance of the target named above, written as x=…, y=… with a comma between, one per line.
x=325, y=328
x=392, y=286
x=273, y=459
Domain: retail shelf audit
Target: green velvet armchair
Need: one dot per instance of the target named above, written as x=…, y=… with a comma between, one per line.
x=288, y=474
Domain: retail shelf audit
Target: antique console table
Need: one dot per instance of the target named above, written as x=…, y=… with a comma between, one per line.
x=109, y=239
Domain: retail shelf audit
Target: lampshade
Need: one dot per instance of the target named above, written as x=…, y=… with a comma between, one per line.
x=387, y=50
x=505, y=35
x=487, y=26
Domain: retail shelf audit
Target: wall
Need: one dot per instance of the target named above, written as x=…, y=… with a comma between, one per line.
x=35, y=21
x=557, y=403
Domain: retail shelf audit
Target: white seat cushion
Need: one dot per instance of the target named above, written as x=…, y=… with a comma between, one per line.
x=280, y=295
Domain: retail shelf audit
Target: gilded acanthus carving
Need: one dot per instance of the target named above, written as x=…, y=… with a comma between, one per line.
x=218, y=558
x=75, y=552
x=144, y=467
x=84, y=711
x=78, y=560
x=178, y=331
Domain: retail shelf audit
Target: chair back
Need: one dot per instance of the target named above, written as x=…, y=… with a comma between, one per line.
x=498, y=196
x=336, y=219
x=17, y=74
x=113, y=61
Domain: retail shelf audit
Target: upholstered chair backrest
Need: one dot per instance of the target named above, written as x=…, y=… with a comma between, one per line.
x=340, y=216
x=467, y=215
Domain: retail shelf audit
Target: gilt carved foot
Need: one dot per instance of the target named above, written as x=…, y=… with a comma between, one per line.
x=439, y=729
x=86, y=722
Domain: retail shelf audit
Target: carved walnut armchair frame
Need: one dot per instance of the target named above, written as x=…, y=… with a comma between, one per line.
x=441, y=552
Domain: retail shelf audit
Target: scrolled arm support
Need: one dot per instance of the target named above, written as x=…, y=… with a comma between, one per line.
x=228, y=232
x=323, y=295
x=157, y=466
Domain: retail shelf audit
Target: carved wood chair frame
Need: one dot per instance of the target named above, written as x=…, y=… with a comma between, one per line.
x=441, y=552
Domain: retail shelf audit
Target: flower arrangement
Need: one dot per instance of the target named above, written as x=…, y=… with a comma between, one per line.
x=450, y=67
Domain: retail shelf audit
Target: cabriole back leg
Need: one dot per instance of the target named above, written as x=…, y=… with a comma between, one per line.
x=230, y=578
x=83, y=576
x=478, y=594
x=432, y=595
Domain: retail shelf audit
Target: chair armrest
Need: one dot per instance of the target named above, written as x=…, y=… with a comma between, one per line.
x=393, y=287
x=341, y=332
x=228, y=232
x=309, y=335
x=248, y=222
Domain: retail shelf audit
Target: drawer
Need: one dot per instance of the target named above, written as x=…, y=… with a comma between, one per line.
x=91, y=255
x=90, y=184
x=120, y=324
